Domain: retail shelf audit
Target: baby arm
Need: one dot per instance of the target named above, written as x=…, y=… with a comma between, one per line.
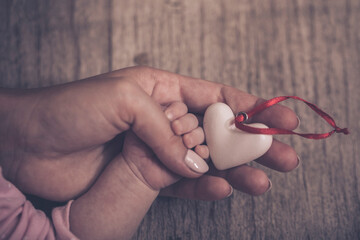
x=119, y=199
x=20, y=220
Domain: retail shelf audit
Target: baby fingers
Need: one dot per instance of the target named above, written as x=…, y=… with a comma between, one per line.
x=185, y=124
x=194, y=138
x=176, y=110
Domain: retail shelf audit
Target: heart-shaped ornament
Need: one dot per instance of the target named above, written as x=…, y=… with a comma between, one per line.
x=229, y=146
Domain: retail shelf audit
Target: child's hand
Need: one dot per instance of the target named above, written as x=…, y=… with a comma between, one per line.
x=144, y=163
x=114, y=206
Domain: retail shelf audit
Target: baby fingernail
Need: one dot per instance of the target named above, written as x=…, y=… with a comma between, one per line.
x=195, y=163
x=169, y=115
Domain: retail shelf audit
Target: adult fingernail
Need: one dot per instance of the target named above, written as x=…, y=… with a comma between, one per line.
x=195, y=162
x=270, y=186
x=231, y=191
x=298, y=125
x=299, y=162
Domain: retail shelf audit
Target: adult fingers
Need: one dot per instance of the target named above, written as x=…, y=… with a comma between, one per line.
x=249, y=180
x=149, y=122
x=277, y=116
x=280, y=157
x=244, y=178
x=198, y=94
x=166, y=87
x=213, y=187
x=206, y=188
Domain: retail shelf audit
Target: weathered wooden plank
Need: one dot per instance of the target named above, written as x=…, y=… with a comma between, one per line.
x=305, y=48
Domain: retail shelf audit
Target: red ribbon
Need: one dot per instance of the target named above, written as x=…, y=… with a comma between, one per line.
x=242, y=117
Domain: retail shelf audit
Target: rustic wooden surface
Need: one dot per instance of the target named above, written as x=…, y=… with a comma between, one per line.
x=269, y=48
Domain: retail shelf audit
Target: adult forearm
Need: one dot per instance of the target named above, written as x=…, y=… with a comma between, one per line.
x=9, y=103
x=114, y=207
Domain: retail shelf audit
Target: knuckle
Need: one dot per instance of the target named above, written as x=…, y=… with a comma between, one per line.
x=146, y=72
x=261, y=183
x=176, y=127
x=182, y=107
x=126, y=88
x=188, y=140
x=129, y=93
x=200, y=132
x=290, y=161
x=176, y=110
x=144, y=69
x=192, y=119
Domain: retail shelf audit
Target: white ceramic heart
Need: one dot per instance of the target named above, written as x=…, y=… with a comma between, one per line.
x=229, y=146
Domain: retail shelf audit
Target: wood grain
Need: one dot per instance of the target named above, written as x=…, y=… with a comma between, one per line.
x=278, y=47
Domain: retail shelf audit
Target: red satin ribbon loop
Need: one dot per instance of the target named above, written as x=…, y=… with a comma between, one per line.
x=240, y=118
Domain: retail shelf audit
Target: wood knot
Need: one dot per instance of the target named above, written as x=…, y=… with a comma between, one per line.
x=141, y=59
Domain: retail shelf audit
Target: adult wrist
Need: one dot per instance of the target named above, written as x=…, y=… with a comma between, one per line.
x=9, y=100
x=9, y=103
x=15, y=108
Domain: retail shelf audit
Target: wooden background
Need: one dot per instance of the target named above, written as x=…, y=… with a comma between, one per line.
x=280, y=47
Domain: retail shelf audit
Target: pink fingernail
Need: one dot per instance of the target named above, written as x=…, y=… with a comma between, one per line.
x=195, y=162
x=270, y=186
x=231, y=191
x=298, y=123
x=299, y=162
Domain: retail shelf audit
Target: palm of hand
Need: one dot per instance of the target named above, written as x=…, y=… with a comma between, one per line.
x=68, y=142
x=70, y=139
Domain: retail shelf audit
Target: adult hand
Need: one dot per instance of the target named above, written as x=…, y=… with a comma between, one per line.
x=65, y=135
x=198, y=94
x=56, y=141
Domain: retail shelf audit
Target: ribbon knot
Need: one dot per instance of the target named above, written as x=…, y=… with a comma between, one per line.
x=342, y=130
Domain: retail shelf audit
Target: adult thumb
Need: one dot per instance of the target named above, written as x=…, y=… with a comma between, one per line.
x=150, y=124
